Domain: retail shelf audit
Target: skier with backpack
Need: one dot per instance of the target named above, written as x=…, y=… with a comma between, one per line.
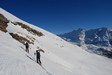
x=38, y=55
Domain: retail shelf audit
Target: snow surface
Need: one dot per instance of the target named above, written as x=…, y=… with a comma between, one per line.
x=60, y=57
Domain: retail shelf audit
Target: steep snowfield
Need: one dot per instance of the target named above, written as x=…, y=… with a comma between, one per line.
x=60, y=57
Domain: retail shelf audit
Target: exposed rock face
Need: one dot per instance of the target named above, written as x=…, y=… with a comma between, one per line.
x=20, y=38
x=29, y=29
x=3, y=23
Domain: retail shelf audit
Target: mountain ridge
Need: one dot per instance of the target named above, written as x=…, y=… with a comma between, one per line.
x=100, y=37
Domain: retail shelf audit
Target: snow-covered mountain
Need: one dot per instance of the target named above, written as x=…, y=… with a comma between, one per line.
x=60, y=57
x=98, y=40
x=77, y=36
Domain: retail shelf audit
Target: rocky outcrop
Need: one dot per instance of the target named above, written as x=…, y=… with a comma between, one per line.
x=3, y=23
x=31, y=30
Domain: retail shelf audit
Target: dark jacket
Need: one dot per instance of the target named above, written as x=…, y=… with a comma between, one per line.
x=27, y=45
x=38, y=54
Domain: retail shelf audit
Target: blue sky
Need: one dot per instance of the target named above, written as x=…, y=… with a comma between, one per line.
x=60, y=16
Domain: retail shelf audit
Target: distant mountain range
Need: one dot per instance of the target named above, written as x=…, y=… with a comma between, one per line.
x=96, y=40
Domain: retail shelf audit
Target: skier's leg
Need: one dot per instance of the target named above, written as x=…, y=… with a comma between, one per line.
x=28, y=50
x=39, y=61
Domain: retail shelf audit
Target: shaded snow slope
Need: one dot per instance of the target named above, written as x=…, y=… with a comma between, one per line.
x=60, y=57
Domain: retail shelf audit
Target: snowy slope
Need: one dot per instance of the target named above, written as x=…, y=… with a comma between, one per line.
x=60, y=57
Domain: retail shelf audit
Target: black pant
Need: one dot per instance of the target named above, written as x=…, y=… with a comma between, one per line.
x=38, y=60
x=27, y=50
